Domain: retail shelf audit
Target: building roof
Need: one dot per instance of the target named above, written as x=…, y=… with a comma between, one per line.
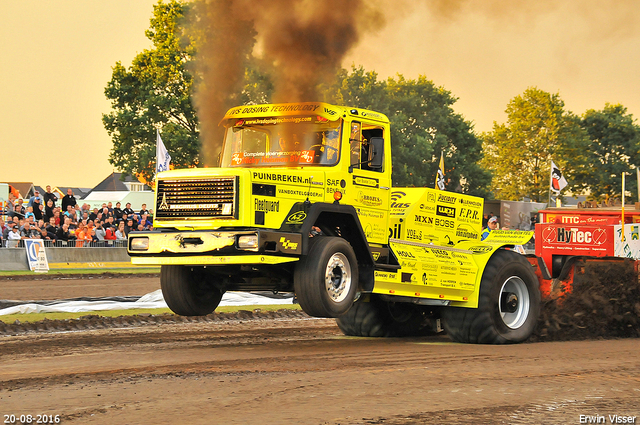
x=78, y=192
x=26, y=189
x=115, y=182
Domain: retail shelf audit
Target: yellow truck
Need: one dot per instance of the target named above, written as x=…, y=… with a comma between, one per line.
x=302, y=202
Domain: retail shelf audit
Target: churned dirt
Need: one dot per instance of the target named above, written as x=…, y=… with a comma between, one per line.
x=286, y=368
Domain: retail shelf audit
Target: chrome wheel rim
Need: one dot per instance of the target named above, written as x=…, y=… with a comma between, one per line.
x=514, y=302
x=337, y=277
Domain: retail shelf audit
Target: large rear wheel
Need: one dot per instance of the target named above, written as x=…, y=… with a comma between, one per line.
x=374, y=317
x=187, y=291
x=326, y=279
x=508, y=304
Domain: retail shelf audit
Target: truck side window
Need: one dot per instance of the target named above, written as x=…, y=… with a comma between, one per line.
x=355, y=141
x=366, y=151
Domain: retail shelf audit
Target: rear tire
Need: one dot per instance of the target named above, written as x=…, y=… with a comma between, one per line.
x=326, y=279
x=377, y=318
x=508, y=304
x=187, y=291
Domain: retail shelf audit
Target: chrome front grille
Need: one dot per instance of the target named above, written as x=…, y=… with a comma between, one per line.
x=197, y=198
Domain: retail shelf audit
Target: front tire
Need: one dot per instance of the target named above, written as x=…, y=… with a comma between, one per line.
x=326, y=279
x=508, y=304
x=187, y=291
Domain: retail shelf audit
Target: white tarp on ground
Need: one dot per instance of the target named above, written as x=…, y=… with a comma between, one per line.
x=151, y=300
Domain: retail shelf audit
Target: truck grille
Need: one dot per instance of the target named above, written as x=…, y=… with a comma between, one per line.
x=197, y=198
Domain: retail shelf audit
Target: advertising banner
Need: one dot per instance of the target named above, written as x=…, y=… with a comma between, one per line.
x=36, y=255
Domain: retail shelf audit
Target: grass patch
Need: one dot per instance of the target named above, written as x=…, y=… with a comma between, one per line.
x=36, y=317
x=132, y=270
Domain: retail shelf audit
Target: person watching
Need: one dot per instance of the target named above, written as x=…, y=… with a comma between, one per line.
x=28, y=232
x=63, y=233
x=68, y=199
x=50, y=196
x=492, y=224
x=13, y=238
x=127, y=210
x=117, y=212
x=121, y=235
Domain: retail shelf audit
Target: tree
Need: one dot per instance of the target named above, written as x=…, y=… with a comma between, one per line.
x=614, y=143
x=519, y=153
x=423, y=124
x=154, y=93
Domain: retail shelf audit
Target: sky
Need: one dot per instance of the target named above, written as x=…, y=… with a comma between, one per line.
x=57, y=58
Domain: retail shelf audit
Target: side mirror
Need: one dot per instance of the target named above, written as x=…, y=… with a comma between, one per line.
x=377, y=156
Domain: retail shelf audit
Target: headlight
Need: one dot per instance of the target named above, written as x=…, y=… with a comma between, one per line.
x=139, y=244
x=248, y=242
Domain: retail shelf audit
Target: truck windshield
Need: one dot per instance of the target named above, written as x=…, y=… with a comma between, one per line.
x=281, y=141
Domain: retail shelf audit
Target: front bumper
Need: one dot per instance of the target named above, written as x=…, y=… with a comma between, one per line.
x=204, y=247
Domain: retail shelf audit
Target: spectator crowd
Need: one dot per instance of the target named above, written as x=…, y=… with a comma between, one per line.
x=70, y=223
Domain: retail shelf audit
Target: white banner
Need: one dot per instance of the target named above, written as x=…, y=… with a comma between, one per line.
x=629, y=247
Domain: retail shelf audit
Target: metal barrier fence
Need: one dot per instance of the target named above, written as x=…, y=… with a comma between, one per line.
x=70, y=244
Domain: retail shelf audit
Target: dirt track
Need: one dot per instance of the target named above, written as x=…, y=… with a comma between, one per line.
x=304, y=371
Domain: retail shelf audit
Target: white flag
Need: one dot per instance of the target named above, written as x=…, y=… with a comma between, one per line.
x=558, y=182
x=162, y=156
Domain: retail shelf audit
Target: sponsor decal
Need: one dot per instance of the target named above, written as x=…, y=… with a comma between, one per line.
x=469, y=214
x=376, y=256
x=447, y=199
x=574, y=235
x=369, y=200
x=446, y=211
x=274, y=108
x=335, y=182
x=299, y=192
x=370, y=115
x=329, y=111
x=280, y=178
x=440, y=253
x=448, y=224
x=266, y=205
x=306, y=157
x=287, y=244
x=480, y=249
x=414, y=234
x=405, y=254
x=423, y=219
x=396, y=197
x=296, y=218
x=365, y=181
x=466, y=232
x=470, y=202
x=395, y=232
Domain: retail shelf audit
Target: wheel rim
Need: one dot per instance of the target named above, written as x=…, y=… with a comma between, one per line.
x=514, y=302
x=337, y=277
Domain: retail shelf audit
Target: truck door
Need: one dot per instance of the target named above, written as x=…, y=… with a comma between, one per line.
x=367, y=186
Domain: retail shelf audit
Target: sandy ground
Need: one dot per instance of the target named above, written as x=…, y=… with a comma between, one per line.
x=302, y=371
x=54, y=288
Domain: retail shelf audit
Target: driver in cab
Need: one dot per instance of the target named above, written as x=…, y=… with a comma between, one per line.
x=288, y=144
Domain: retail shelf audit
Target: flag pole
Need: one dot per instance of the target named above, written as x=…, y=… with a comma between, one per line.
x=622, y=221
x=638, y=178
x=550, y=180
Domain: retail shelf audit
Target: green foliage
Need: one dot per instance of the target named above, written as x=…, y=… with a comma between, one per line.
x=519, y=153
x=614, y=140
x=423, y=124
x=154, y=93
